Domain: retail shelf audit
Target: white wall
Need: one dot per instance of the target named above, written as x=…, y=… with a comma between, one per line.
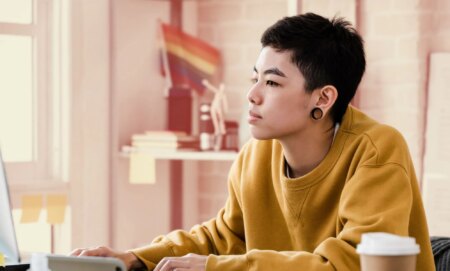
x=90, y=138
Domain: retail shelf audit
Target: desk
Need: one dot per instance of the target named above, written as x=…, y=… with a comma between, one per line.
x=176, y=158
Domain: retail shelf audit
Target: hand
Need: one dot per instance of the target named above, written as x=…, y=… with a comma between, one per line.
x=129, y=259
x=191, y=262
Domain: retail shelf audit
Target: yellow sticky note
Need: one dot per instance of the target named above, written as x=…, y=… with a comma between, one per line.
x=142, y=168
x=2, y=259
x=31, y=208
x=56, y=208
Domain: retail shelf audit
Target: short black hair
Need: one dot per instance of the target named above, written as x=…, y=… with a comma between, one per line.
x=327, y=52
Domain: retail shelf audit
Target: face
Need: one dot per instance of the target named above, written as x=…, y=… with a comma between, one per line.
x=279, y=105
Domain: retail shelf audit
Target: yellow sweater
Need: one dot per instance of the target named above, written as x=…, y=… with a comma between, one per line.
x=366, y=183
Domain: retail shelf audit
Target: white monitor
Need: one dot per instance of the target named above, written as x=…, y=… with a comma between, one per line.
x=8, y=242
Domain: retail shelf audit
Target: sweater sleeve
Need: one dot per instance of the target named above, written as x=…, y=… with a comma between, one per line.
x=221, y=235
x=376, y=198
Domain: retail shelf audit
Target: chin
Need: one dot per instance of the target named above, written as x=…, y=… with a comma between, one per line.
x=260, y=135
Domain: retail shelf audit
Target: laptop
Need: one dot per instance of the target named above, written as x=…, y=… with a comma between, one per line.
x=10, y=249
x=8, y=241
x=69, y=263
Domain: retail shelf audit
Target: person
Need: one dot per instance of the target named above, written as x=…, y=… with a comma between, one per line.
x=317, y=175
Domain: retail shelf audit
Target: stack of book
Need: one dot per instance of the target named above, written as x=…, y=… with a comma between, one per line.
x=165, y=140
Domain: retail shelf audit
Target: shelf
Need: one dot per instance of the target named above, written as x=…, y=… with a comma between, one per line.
x=183, y=154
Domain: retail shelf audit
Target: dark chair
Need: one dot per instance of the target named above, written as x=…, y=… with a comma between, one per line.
x=441, y=252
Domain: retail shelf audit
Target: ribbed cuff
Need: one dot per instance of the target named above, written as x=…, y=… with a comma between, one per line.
x=227, y=263
x=151, y=255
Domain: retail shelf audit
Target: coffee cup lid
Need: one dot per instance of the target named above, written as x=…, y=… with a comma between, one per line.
x=381, y=243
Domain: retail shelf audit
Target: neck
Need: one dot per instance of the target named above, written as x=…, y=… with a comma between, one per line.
x=304, y=151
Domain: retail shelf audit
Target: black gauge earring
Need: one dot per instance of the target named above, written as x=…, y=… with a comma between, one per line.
x=316, y=113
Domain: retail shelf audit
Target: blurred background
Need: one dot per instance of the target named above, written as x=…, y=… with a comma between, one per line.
x=79, y=78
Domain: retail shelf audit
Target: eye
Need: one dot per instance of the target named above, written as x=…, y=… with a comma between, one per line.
x=272, y=83
x=254, y=80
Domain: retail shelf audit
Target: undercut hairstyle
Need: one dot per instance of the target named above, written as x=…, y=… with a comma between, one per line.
x=327, y=52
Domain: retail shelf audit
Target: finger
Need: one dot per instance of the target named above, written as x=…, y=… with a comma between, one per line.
x=93, y=252
x=87, y=252
x=105, y=252
x=162, y=265
x=169, y=264
x=76, y=252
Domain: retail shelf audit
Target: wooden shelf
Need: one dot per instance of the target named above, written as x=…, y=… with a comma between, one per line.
x=183, y=154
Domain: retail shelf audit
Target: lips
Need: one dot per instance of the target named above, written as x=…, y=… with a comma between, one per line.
x=253, y=117
x=254, y=114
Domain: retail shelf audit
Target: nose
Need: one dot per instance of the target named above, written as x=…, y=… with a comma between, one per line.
x=253, y=95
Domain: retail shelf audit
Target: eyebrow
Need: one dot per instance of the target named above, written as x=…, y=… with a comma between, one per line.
x=275, y=71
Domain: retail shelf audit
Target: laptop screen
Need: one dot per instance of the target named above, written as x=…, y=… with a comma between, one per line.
x=8, y=242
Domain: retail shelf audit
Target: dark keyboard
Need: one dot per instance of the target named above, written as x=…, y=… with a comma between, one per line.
x=15, y=267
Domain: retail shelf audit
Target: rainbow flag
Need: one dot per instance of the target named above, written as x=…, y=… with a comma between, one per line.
x=188, y=59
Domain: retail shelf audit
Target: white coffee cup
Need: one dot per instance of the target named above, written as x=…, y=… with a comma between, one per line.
x=381, y=251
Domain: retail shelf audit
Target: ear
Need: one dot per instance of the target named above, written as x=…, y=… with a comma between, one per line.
x=327, y=96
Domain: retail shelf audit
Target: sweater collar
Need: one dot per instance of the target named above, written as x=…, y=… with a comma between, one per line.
x=318, y=173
